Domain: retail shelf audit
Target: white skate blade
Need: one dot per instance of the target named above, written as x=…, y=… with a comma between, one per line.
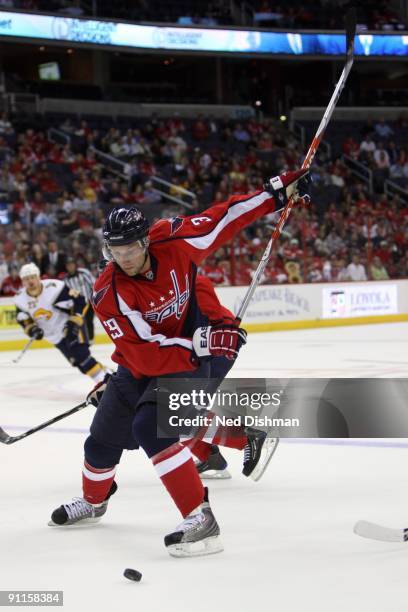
x=269, y=447
x=365, y=529
x=215, y=475
x=208, y=546
x=88, y=521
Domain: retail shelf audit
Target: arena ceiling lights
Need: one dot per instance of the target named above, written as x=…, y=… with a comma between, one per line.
x=65, y=30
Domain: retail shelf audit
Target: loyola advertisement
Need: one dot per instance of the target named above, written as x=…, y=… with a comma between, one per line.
x=360, y=300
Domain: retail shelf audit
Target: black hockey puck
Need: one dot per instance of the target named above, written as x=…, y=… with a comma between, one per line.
x=132, y=574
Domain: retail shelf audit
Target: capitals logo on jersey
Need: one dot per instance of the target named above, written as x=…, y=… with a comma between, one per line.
x=175, y=224
x=175, y=305
x=98, y=296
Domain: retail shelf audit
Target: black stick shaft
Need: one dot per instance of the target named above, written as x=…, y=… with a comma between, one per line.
x=6, y=439
x=350, y=34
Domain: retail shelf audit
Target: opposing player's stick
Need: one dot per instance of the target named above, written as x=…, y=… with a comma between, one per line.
x=6, y=439
x=350, y=33
x=23, y=352
x=365, y=529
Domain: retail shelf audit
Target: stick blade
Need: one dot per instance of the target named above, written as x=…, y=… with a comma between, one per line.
x=351, y=24
x=372, y=531
x=4, y=437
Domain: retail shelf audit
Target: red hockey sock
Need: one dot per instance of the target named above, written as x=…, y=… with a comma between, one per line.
x=199, y=448
x=229, y=436
x=175, y=467
x=224, y=438
x=96, y=483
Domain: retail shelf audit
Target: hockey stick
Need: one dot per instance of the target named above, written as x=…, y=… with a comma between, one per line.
x=350, y=33
x=6, y=439
x=23, y=352
x=365, y=529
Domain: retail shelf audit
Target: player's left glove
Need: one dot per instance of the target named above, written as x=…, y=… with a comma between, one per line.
x=95, y=396
x=72, y=328
x=219, y=340
x=290, y=184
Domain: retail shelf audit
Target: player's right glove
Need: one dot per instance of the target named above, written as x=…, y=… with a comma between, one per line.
x=290, y=184
x=95, y=396
x=221, y=340
x=72, y=328
x=33, y=331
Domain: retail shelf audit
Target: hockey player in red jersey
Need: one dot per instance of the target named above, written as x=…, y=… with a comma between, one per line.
x=147, y=302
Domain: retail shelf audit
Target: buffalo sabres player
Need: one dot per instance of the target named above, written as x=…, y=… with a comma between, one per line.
x=146, y=300
x=51, y=310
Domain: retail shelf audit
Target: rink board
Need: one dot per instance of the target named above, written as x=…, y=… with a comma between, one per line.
x=277, y=308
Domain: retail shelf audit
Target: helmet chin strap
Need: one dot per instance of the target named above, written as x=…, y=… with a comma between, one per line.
x=145, y=259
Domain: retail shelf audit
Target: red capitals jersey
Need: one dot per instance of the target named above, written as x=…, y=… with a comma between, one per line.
x=151, y=317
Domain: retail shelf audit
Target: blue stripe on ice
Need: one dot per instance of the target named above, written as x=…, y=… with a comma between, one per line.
x=369, y=443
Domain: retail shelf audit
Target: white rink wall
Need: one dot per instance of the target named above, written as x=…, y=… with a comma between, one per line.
x=278, y=307
x=320, y=304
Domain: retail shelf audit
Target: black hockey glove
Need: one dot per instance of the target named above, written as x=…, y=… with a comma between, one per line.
x=33, y=331
x=95, y=396
x=72, y=328
x=290, y=184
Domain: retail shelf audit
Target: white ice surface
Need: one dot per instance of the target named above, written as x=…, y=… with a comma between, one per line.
x=288, y=539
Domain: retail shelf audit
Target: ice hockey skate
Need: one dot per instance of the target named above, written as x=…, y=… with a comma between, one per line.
x=258, y=452
x=198, y=534
x=215, y=467
x=80, y=511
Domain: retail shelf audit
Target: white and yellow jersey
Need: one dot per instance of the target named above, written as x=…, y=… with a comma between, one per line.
x=49, y=310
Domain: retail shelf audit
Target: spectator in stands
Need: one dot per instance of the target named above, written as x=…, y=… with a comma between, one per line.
x=88, y=239
x=54, y=258
x=356, y=270
x=396, y=171
x=314, y=274
x=328, y=268
x=383, y=251
x=336, y=177
x=382, y=129
x=333, y=242
x=340, y=272
x=12, y=283
x=382, y=231
x=44, y=217
x=200, y=129
x=3, y=268
x=368, y=230
x=229, y=166
x=214, y=271
x=67, y=222
x=351, y=147
x=241, y=134
x=381, y=157
x=378, y=271
x=403, y=266
x=81, y=202
x=150, y=196
x=36, y=255
x=367, y=146
x=5, y=124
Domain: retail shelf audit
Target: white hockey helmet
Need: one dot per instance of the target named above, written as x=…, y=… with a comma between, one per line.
x=29, y=269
